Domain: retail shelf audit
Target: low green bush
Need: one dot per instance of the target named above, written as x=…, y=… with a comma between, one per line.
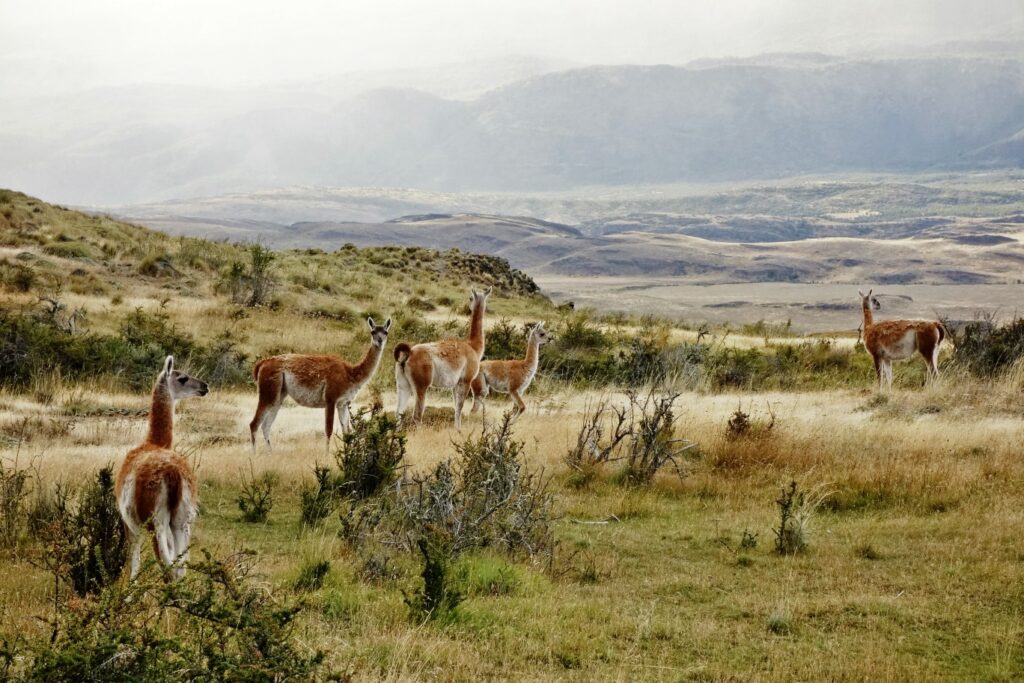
x=84, y=538
x=216, y=624
x=32, y=345
x=985, y=350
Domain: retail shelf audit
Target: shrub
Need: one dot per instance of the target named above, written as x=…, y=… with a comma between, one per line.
x=506, y=340
x=641, y=436
x=156, y=264
x=370, y=454
x=741, y=425
x=14, y=491
x=215, y=624
x=795, y=511
x=408, y=325
x=482, y=498
x=368, y=462
x=984, y=349
x=32, y=345
x=316, y=501
x=68, y=250
x=652, y=445
x=233, y=282
x=417, y=304
x=577, y=332
x=260, y=276
x=256, y=497
x=85, y=538
x=439, y=595
x=22, y=278
x=252, y=285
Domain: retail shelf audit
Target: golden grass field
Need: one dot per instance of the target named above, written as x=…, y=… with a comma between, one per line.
x=915, y=563
x=915, y=569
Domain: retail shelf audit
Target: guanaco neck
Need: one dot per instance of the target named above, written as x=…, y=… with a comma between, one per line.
x=476, y=328
x=868, y=319
x=161, y=416
x=532, y=352
x=368, y=365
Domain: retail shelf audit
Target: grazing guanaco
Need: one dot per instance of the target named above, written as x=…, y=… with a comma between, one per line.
x=327, y=382
x=891, y=340
x=449, y=363
x=511, y=377
x=155, y=486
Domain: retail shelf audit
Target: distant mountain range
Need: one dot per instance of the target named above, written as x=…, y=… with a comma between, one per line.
x=543, y=128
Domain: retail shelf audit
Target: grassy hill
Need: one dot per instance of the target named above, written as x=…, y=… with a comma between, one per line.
x=194, y=296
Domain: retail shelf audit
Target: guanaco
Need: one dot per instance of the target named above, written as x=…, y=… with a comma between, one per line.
x=449, y=363
x=327, y=382
x=511, y=377
x=156, y=487
x=891, y=340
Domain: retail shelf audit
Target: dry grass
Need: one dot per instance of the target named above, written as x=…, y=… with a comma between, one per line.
x=914, y=569
x=664, y=592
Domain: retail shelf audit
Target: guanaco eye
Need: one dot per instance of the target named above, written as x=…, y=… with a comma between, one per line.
x=183, y=380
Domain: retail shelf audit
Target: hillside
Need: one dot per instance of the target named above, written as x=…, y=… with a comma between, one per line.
x=164, y=291
x=550, y=130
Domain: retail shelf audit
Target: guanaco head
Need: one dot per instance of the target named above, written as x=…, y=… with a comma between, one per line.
x=478, y=299
x=179, y=384
x=379, y=333
x=541, y=334
x=869, y=302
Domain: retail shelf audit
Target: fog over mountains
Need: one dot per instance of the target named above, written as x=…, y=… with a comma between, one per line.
x=529, y=126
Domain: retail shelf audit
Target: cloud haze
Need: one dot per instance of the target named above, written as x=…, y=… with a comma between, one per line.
x=50, y=46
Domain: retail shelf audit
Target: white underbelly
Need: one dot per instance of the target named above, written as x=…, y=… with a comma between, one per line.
x=904, y=347
x=309, y=396
x=499, y=385
x=446, y=376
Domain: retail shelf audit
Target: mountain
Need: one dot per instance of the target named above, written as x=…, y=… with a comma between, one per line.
x=597, y=126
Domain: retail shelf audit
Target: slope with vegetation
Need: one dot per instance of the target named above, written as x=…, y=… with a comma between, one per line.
x=673, y=504
x=95, y=297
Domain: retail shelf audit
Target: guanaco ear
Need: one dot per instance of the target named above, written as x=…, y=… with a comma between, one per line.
x=860, y=293
x=869, y=291
x=168, y=365
x=369, y=321
x=488, y=292
x=387, y=325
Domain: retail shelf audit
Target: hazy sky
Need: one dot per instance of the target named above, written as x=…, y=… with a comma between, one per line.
x=48, y=45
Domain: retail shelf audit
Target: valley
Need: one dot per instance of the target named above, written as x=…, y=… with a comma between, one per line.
x=794, y=250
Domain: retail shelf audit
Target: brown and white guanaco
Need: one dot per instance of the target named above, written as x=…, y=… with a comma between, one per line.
x=511, y=377
x=319, y=381
x=449, y=363
x=891, y=340
x=156, y=487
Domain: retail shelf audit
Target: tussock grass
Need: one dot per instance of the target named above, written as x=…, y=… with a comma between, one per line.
x=913, y=570
x=934, y=495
